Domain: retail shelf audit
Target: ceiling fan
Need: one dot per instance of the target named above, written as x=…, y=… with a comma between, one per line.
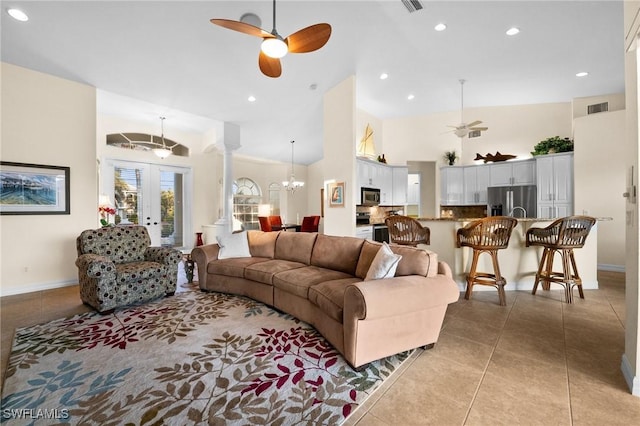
x=463, y=129
x=274, y=46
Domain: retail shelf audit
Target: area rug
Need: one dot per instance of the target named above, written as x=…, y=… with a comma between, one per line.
x=195, y=358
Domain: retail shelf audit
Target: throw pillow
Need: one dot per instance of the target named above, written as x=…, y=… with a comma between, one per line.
x=384, y=265
x=233, y=245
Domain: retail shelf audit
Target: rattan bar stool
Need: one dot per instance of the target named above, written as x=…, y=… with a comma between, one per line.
x=562, y=236
x=407, y=231
x=486, y=235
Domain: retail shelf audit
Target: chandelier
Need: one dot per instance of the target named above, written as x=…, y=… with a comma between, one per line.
x=292, y=184
x=163, y=152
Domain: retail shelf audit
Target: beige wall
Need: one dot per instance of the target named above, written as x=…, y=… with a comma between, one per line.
x=616, y=103
x=51, y=121
x=513, y=129
x=600, y=180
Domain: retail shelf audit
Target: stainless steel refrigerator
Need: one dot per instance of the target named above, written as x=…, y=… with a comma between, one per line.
x=516, y=201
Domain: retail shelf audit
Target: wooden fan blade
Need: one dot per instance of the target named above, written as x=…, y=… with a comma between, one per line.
x=482, y=129
x=269, y=66
x=242, y=27
x=475, y=123
x=309, y=39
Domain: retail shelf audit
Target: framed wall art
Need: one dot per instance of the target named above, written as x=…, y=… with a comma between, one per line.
x=34, y=189
x=336, y=194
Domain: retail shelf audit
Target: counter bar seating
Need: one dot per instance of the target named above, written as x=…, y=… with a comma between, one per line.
x=486, y=235
x=407, y=231
x=562, y=236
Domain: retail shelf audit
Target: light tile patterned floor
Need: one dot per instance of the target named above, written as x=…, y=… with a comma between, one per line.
x=536, y=361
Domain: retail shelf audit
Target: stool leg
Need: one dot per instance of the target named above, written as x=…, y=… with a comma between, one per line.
x=472, y=274
x=545, y=252
x=500, y=282
x=567, y=279
x=548, y=273
x=576, y=277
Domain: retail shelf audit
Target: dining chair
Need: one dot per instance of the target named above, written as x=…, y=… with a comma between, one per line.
x=487, y=235
x=310, y=224
x=275, y=220
x=265, y=225
x=561, y=236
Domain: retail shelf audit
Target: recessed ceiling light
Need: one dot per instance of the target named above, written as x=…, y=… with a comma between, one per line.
x=384, y=76
x=251, y=98
x=582, y=74
x=512, y=31
x=18, y=15
x=411, y=97
x=440, y=27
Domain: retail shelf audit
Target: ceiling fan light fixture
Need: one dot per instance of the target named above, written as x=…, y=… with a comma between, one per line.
x=274, y=47
x=461, y=132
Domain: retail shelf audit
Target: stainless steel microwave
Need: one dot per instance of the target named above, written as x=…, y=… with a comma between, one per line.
x=369, y=197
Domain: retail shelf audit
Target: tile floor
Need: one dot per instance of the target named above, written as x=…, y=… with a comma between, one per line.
x=537, y=361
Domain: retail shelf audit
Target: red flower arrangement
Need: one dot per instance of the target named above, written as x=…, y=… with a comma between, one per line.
x=105, y=211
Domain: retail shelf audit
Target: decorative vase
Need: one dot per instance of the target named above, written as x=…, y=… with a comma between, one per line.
x=199, y=241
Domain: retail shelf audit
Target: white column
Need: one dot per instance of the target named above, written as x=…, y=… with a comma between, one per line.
x=229, y=143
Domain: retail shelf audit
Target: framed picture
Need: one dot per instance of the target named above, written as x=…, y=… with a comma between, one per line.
x=336, y=194
x=33, y=189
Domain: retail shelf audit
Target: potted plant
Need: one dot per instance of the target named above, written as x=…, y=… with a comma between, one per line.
x=553, y=145
x=450, y=157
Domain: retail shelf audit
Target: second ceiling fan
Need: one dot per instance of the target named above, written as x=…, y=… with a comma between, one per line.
x=463, y=129
x=274, y=46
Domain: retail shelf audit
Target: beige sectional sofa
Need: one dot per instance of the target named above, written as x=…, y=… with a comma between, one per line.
x=320, y=280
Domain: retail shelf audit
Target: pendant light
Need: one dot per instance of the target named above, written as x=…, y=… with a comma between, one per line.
x=292, y=184
x=163, y=152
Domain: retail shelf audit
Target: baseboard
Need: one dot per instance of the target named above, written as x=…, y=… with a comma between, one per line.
x=38, y=287
x=633, y=382
x=611, y=268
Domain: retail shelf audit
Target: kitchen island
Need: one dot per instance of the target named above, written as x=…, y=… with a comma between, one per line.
x=518, y=263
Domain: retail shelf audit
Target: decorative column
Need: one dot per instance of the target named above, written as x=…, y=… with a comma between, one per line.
x=229, y=142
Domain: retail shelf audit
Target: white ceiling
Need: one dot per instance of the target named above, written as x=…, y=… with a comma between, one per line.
x=168, y=54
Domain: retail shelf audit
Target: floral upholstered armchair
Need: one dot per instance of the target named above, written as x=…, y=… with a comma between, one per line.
x=116, y=267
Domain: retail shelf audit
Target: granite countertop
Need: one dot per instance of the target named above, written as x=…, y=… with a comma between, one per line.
x=520, y=219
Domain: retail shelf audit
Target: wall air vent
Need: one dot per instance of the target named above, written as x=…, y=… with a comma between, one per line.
x=412, y=5
x=602, y=107
x=475, y=134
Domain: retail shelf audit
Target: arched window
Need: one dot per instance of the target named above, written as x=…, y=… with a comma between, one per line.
x=246, y=200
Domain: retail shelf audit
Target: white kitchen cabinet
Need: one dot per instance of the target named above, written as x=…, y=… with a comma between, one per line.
x=384, y=181
x=365, y=232
x=555, y=185
x=513, y=173
x=451, y=186
x=366, y=172
x=476, y=181
x=400, y=180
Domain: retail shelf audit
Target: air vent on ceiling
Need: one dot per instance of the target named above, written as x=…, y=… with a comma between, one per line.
x=475, y=134
x=601, y=107
x=412, y=5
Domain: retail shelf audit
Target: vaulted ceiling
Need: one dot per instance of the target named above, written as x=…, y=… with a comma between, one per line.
x=168, y=54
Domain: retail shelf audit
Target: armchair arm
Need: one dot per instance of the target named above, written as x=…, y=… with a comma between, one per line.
x=163, y=255
x=96, y=266
x=202, y=255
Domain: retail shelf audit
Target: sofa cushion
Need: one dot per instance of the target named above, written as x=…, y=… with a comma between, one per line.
x=295, y=246
x=234, y=267
x=264, y=272
x=337, y=253
x=384, y=264
x=233, y=245
x=329, y=296
x=297, y=281
x=414, y=261
x=262, y=244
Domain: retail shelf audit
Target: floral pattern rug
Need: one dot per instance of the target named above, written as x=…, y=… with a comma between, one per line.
x=194, y=358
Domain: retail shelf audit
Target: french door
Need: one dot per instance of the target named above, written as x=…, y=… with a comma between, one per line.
x=153, y=195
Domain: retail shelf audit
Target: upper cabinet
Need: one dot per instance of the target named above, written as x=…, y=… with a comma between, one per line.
x=476, y=181
x=555, y=185
x=513, y=173
x=451, y=186
x=390, y=180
